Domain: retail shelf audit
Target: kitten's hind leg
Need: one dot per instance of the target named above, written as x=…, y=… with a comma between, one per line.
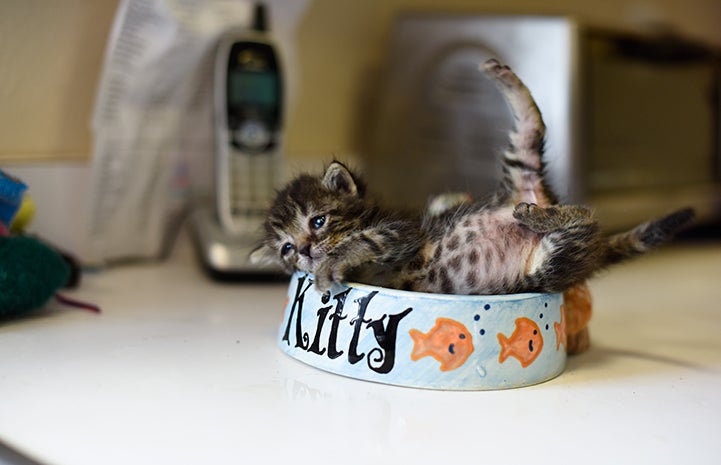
x=569, y=251
x=523, y=161
x=553, y=218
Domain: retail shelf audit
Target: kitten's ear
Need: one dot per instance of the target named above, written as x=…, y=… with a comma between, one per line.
x=262, y=254
x=338, y=178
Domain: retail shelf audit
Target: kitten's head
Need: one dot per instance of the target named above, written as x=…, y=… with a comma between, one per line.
x=309, y=217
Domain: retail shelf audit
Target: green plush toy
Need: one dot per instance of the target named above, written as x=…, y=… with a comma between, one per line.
x=30, y=274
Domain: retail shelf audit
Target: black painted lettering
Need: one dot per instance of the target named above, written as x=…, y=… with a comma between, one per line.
x=336, y=317
x=297, y=305
x=315, y=347
x=357, y=322
x=386, y=338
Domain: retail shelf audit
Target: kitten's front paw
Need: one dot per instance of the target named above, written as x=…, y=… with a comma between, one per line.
x=554, y=217
x=323, y=282
x=327, y=275
x=444, y=203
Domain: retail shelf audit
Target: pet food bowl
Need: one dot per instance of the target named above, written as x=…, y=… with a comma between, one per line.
x=433, y=341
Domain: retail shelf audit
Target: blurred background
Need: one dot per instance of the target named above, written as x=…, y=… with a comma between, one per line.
x=629, y=89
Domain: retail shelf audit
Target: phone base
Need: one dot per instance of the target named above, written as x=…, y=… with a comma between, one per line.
x=224, y=255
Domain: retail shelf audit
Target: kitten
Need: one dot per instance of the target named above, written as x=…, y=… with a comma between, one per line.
x=520, y=240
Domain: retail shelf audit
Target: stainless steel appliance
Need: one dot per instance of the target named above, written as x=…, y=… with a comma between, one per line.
x=633, y=121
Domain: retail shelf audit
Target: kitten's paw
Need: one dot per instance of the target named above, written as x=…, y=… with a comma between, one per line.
x=494, y=67
x=444, y=203
x=322, y=282
x=536, y=218
x=525, y=210
x=501, y=73
x=543, y=220
x=329, y=274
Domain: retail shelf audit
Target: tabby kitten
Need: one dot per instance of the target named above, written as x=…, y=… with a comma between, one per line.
x=520, y=240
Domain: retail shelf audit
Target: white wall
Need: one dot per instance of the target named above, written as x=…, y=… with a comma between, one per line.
x=51, y=55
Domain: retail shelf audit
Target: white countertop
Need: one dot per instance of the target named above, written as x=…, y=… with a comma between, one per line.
x=181, y=370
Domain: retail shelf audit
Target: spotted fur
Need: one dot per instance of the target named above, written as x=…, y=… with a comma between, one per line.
x=521, y=240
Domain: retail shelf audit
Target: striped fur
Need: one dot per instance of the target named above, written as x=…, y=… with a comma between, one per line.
x=521, y=240
x=357, y=238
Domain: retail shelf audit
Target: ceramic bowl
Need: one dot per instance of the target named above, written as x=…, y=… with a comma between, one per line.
x=434, y=341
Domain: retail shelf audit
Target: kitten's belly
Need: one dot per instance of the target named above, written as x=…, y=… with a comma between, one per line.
x=484, y=253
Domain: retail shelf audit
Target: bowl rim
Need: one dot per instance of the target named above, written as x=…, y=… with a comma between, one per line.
x=436, y=296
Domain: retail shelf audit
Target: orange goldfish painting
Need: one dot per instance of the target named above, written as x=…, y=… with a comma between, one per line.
x=525, y=343
x=448, y=341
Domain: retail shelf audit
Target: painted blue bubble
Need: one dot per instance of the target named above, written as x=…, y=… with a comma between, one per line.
x=477, y=317
x=487, y=307
x=546, y=327
x=482, y=331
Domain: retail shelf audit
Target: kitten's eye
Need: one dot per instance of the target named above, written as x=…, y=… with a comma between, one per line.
x=287, y=247
x=317, y=222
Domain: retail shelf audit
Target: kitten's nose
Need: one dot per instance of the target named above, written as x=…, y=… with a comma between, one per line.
x=305, y=249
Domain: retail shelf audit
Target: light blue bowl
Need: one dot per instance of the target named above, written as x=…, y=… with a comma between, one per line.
x=433, y=341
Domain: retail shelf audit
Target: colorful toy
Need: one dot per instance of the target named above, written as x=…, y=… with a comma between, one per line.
x=30, y=274
x=24, y=215
x=11, y=196
x=31, y=271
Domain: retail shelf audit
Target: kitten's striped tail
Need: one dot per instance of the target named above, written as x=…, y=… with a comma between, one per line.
x=522, y=162
x=646, y=236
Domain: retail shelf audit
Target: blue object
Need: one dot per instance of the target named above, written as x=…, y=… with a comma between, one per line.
x=424, y=340
x=11, y=196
